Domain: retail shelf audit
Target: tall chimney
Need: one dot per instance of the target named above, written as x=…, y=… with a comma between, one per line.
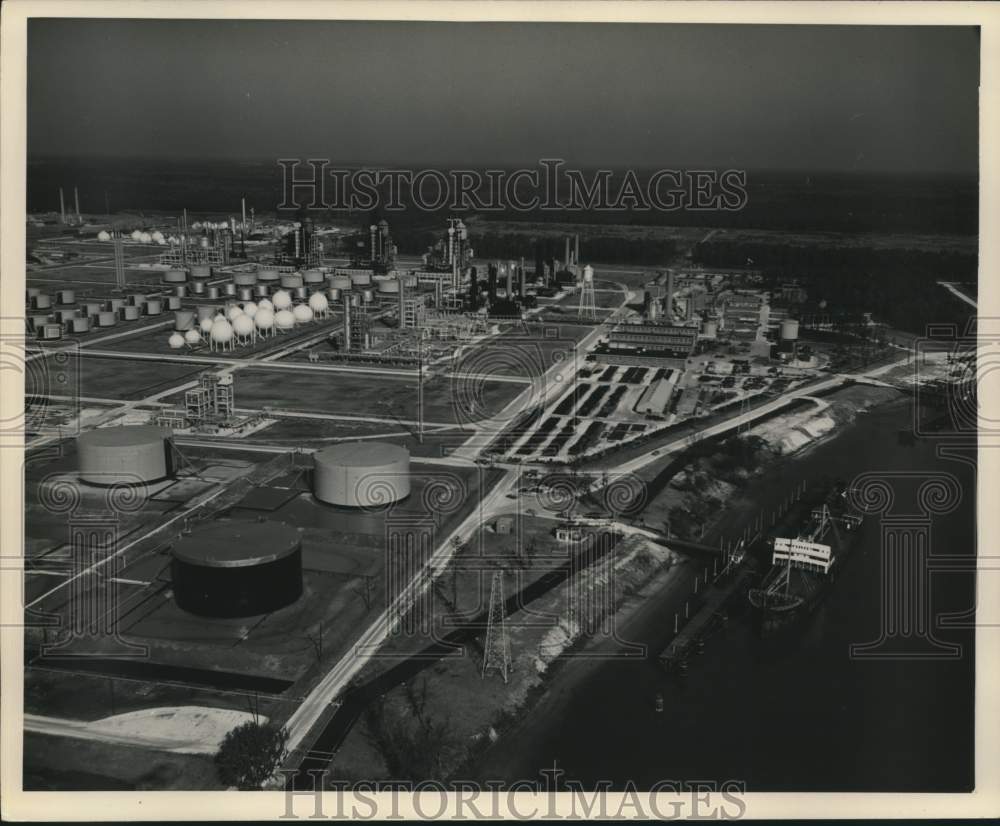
x=347, y=321
x=576, y=251
x=76, y=196
x=566, y=261
x=402, y=302
x=373, y=229
x=510, y=281
x=62, y=206
x=670, y=296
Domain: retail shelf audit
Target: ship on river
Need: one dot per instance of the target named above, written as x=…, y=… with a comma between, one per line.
x=804, y=566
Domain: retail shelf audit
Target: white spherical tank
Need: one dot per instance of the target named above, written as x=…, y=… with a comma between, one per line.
x=361, y=474
x=265, y=304
x=250, y=309
x=318, y=303
x=206, y=325
x=303, y=314
x=176, y=341
x=243, y=326
x=124, y=455
x=264, y=319
x=284, y=320
x=221, y=332
x=192, y=337
x=282, y=300
x=234, y=312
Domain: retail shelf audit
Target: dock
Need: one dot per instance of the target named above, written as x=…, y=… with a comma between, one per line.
x=716, y=596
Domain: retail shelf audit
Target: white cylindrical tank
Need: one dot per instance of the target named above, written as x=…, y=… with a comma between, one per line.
x=303, y=314
x=183, y=320
x=290, y=280
x=192, y=337
x=282, y=300
x=201, y=271
x=245, y=279
x=588, y=273
x=360, y=279
x=205, y=311
x=176, y=341
x=388, y=285
x=124, y=455
x=362, y=474
x=175, y=276
x=341, y=282
x=284, y=320
x=268, y=275
x=789, y=329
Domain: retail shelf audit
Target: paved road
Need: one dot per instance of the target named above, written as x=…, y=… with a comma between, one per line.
x=959, y=294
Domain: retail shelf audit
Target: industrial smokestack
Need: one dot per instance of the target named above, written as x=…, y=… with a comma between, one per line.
x=510, y=281
x=670, y=295
x=566, y=259
x=402, y=302
x=576, y=251
x=491, y=282
x=243, y=208
x=62, y=206
x=76, y=197
x=347, y=322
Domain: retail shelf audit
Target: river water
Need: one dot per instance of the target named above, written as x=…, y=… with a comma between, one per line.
x=793, y=714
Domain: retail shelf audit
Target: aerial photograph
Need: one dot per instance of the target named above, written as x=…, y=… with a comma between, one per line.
x=551, y=405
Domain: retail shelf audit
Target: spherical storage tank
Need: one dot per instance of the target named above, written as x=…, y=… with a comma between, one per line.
x=284, y=320
x=361, y=474
x=264, y=319
x=176, y=341
x=191, y=337
x=124, y=455
x=318, y=303
x=243, y=326
x=237, y=569
x=303, y=314
x=282, y=300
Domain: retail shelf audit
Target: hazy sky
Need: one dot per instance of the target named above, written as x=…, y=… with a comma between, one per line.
x=844, y=98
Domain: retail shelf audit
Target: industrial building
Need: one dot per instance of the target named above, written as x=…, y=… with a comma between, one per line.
x=361, y=474
x=649, y=345
x=130, y=455
x=237, y=569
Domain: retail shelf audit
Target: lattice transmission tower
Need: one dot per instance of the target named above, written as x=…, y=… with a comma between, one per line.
x=497, y=648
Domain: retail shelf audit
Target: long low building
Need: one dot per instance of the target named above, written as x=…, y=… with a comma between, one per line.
x=657, y=396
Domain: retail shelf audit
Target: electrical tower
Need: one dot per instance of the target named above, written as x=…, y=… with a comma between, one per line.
x=588, y=303
x=497, y=648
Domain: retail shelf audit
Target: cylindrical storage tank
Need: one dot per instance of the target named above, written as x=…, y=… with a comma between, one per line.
x=361, y=474
x=333, y=294
x=64, y=315
x=361, y=279
x=368, y=296
x=354, y=298
x=180, y=291
x=229, y=289
x=79, y=325
x=192, y=337
x=92, y=307
x=198, y=288
x=50, y=332
x=261, y=291
x=237, y=569
x=341, y=282
x=183, y=320
x=153, y=306
x=300, y=294
x=268, y=275
x=313, y=277
x=66, y=297
x=409, y=281
x=388, y=285
x=284, y=320
x=176, y=341
x=137, y=299
x=244, y=279
x=106, y=319
x=124, y=455
x=213, y=293
x=710, y=329
x=205, y=311
x=30, y=293
x=789, y=329
x=175, y=276
x=245, y=293
x=173, y=302
x=41, y=301
x=115, y=304
x=201, y=271
x=290, y=280
x=37, y=320
x=130, y=313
